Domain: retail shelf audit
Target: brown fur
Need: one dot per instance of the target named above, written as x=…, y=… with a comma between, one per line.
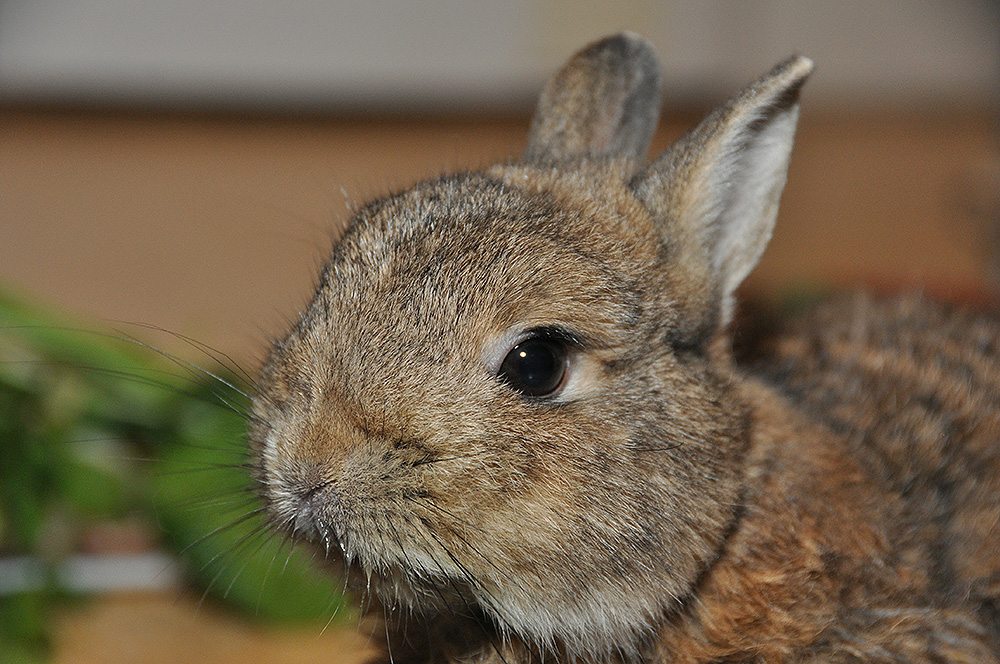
x=833, y=504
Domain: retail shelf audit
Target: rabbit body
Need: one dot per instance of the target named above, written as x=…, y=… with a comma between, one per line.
x=511, y=416
x=909, y=390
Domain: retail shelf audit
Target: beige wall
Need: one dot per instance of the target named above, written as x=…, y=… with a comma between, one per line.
x=216, y=227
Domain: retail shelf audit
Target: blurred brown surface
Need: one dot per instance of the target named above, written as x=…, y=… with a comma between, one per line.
x=168, y=629
x=215, y=227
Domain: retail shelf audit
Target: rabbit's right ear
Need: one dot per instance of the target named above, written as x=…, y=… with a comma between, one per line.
x=605, y=101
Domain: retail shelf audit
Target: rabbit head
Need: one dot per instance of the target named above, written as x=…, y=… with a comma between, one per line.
x=511, y=393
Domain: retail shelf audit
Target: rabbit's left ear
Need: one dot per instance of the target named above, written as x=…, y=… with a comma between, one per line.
x=716, y=191
x=605, y=101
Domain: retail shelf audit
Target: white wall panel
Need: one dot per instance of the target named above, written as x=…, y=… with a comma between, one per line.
x=276, y=54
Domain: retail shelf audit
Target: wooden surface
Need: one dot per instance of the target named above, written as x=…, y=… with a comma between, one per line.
x=170, y=629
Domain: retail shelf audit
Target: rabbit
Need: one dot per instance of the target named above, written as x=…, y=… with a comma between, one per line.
x=512, y=419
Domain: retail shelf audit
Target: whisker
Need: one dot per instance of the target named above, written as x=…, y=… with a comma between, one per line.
x=294, y=541
x=192, y=465
x=213, y=353
x=237, y=448
x=223, y=528
x=190, y=366
x=128, y=339
x=388, y=641
x=236, y=547
x=267, y=572
x=136, y=378
x=336, y=603
x=233, y=500
x=261, y=534
x=472, y=613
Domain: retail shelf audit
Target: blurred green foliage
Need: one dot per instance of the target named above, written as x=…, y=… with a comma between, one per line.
x=97, y=427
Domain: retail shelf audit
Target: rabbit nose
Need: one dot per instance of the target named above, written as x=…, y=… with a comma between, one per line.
x=314, y=506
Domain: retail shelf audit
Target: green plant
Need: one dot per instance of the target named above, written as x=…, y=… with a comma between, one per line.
x=97, y=427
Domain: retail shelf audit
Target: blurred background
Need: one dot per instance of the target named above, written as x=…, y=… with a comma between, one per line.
x=185, y=165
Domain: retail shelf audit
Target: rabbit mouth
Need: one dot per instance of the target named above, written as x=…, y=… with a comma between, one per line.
x=404, y=550
x=315, y=513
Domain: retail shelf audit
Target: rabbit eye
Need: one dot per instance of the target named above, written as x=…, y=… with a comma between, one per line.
x=535, y=367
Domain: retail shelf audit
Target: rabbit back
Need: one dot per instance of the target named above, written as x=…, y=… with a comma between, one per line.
x=913, y=387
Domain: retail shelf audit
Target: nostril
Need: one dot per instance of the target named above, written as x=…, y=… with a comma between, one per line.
x=314, y=509
x=309, y=497
x=317, y=514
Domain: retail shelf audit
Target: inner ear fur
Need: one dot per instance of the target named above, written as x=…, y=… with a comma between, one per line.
x=604, y=102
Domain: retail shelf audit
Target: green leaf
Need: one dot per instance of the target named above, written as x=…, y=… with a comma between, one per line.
x=91, y=491
x=78, y=406
x=24, y=634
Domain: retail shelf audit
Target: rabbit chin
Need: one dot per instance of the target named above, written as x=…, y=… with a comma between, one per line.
x=609, y=624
